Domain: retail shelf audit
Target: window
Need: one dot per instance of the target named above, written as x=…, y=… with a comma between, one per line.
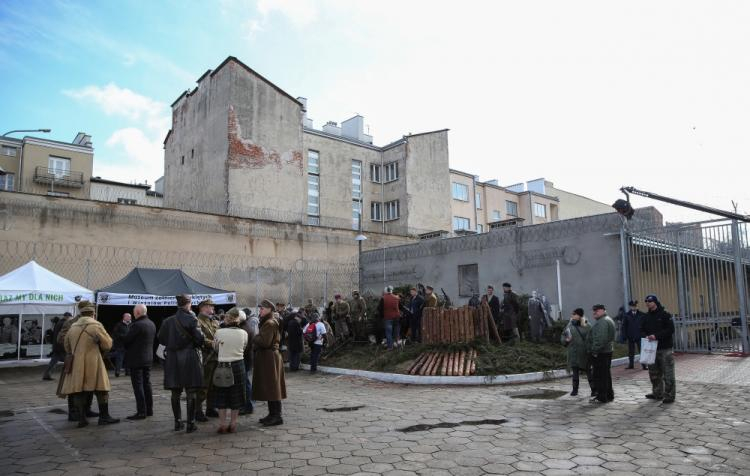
x=356, y=179
x=127, y=201
x=391, y=210
x=8, y=182
x=480, y=228
x=540, y=210
x=313, y=162
x=461, y=223
x=59, y=166
x=375, y=211
x=391, y=172
x=313, y=195
x=496, y=215
x=356, y=212
x=511, y=208
x=313, y=220
x=478, y=198
x=8, y=150
x=375, y=173
x=58, y=194
x=460, y=192
x=182, y=160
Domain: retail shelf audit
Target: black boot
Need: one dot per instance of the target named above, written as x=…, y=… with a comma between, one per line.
x=104, y=416
x=631, y=360
x=191, y=411
x=81, y=406
x=575, y=388
x=72, y=409
x=177, y=412
x=275, y=416
x=89, y=401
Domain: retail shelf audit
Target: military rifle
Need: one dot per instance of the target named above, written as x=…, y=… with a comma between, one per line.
x=446, y=300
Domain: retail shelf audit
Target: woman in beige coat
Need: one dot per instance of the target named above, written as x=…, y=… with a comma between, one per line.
x=86, y=340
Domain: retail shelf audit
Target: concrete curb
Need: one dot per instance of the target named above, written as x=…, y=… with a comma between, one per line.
x=441, y=380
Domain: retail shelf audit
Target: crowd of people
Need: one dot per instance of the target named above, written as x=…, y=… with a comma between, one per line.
x=223, y=363
x=590, y=347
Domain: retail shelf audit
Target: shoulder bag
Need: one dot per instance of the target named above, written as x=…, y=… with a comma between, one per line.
x=223, y=375
x=68, y=363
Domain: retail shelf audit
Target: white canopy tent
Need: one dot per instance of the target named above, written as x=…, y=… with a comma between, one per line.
x=33, y=289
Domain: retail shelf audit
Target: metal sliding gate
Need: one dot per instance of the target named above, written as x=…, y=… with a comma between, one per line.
x=700, y=272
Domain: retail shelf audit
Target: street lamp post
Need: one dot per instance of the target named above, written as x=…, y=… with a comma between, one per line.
x=46, y=131
x=360, y=238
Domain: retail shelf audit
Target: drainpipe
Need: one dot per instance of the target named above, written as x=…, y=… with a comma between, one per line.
x=382, y=194
x=20, y=172
x=474, y=186
x=531, y=210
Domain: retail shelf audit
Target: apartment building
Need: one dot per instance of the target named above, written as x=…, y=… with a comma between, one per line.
x=478, y=206
x=47, y=167
x=241, y=146
x=105, y=190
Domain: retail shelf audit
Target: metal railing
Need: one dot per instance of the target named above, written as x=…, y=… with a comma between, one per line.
x=58, y=178
x=700, y=272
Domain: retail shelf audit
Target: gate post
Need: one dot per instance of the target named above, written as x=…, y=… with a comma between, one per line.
x=739, y=274
x=625, y=269
x=680, y=278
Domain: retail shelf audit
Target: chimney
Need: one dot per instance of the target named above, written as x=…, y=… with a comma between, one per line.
x=332, y=128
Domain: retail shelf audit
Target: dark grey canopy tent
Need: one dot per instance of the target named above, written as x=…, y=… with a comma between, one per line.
x=158, y=287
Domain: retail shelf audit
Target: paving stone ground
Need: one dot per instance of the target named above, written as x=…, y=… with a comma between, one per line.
x=707, y=431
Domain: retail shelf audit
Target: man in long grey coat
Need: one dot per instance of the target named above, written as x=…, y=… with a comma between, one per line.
x=183, y=339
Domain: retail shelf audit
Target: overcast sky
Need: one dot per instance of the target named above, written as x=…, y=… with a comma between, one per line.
x=590, y=95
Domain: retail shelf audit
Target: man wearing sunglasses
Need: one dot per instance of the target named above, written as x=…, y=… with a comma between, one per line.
x=657, y=325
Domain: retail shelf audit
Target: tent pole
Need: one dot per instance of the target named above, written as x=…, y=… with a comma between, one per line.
x=20, y=320
x=41, y=342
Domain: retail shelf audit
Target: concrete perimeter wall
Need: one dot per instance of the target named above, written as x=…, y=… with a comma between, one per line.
x=588, y=250
x=97, y=243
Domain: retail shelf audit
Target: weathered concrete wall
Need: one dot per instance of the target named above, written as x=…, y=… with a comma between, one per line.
x=589, y=258
x=195, y=152
x=265, y=165
x=97, y=243
x=396, y=189
x=427, y=183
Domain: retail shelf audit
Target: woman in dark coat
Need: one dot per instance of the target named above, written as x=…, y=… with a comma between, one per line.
x=574, y=338
x=183, y=339
x=268, y=366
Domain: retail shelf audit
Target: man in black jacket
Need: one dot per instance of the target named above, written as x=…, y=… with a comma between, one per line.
x=118, y=349
x=415, y=315
x=139, y=355
x=657, y=325
x=631, y=331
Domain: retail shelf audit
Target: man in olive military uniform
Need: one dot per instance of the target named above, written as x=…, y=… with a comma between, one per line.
x=208, y=326
x=340, y=317
x=310, y=307
x=657, y=325
x=430, y=300
x=358, y=313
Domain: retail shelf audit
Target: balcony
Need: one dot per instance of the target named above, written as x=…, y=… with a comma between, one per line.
x=59, y=178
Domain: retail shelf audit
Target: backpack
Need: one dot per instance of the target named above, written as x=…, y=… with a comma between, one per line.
x=311, y=333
